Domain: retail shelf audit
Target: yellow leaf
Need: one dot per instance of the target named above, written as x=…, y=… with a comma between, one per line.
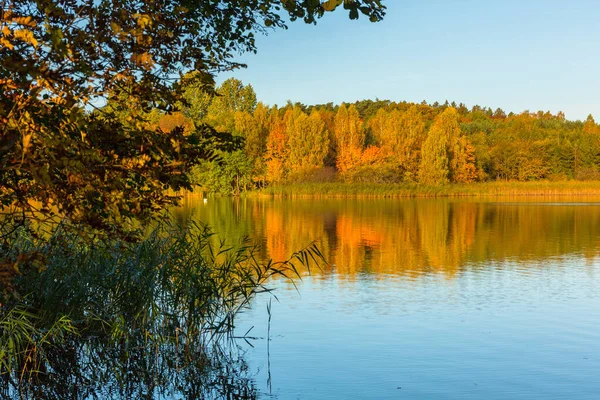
x=6, y=43
x=26, y=36
x=143, y=20
x=26, y=21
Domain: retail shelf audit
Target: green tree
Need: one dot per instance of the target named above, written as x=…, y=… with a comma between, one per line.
x=231, y=174
x=197, y=94
x=255, y=134
x=232, y=97
x=441, y=150
x=433, y=169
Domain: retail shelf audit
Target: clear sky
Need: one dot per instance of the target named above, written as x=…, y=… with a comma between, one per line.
x=514, y=54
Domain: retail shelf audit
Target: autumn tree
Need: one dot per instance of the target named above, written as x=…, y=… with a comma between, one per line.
x=349, y=137
x=433, y=169
x=413, y=133
x=462, y=163
x=385, y=129
x=590, y=127
x=254, y=134
x=308, y=141
x=277, y=151
x=447, y=155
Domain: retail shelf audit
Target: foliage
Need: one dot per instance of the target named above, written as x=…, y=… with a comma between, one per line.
x=60, y=59
x=349, y=137
x=433, y=169
x=166, y=300
x=277, y=151
x=231, y=97
x=231, y=174
x=308, y=141
x=385, y=142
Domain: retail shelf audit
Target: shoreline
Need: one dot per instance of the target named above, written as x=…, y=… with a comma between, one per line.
x=483, y=189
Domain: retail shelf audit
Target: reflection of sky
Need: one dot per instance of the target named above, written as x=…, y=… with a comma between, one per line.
x=498, y=331
x=500, y=302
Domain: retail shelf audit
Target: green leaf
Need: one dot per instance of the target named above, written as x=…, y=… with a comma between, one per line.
x=353, y=14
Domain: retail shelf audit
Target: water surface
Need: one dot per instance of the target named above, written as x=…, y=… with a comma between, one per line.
x=450, y=299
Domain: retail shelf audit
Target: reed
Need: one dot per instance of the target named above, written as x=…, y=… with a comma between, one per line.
x=411, y=190
x=167, y=300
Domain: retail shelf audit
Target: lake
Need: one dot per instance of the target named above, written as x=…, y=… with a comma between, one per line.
x=452, y=299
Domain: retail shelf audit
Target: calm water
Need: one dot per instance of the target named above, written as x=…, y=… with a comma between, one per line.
x=425, y=299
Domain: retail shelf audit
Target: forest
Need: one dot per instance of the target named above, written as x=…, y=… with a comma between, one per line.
x=380, y=141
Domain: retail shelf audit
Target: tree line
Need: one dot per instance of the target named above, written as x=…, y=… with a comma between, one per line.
x=381, y=141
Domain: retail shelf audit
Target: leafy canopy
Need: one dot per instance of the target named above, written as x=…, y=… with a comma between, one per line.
x=61, y=59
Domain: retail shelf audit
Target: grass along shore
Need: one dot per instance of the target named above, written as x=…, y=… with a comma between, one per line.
x=407, y=190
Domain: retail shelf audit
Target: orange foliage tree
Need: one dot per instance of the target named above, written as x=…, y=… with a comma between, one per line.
x=277, y=151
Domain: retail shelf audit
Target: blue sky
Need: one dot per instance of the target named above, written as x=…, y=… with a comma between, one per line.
x=517, y=55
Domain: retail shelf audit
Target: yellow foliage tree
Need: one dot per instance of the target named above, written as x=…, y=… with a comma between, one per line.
x=400, y=136
x=349, y=137
x=590, y=127
x=308, y=141
x=412, y=136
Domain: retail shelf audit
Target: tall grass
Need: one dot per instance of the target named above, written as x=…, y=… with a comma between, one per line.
x=407, y=190
x=113, y=312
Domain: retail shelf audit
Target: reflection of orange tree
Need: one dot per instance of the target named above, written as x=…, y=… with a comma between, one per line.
x=355, y=235
x=287, y=231
x=415, y=237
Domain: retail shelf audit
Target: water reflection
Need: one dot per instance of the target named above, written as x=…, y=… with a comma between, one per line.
x=406, y=237
x=425, y=299
x=97, y=369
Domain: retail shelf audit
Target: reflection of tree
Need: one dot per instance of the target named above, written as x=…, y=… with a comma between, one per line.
x=138, y=370
x=447, y=233
x=413, y=237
